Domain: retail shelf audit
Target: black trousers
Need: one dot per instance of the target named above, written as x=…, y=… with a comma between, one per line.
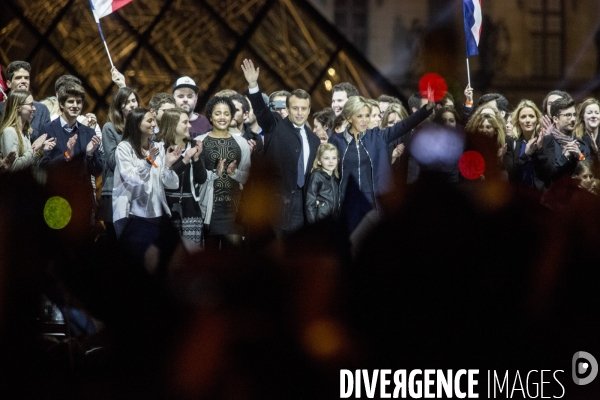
x=292, y=213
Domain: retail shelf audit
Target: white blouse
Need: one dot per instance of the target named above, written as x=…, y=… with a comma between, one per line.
x=139, y=188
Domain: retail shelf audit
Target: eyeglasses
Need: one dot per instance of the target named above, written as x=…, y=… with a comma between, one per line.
x=569, y=115
x=28, y=104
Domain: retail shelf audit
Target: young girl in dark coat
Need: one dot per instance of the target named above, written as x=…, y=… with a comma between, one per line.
x=322, y=192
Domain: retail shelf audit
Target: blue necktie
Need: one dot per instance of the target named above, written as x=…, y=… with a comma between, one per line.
x=300, y=179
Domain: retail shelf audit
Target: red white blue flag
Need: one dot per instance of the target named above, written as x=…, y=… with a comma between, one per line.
x=102, y=8
x=472, y=18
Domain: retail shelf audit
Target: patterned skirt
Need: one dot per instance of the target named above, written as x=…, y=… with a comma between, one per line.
x=186, y=216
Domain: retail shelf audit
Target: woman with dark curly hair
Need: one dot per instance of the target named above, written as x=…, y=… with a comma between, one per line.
x=227, y=161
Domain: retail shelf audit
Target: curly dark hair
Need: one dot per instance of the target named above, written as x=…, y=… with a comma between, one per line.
x=218, y=100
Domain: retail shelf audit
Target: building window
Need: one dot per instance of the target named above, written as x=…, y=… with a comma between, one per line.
x=351, y=18
x=547, y=37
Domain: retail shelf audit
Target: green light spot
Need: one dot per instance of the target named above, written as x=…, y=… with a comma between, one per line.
x=57, y=212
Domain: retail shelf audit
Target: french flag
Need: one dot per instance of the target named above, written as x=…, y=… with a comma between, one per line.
x=472, y=17
x=102, y=8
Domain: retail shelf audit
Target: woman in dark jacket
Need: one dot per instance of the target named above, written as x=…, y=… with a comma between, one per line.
x=364, y=154
x=532, y=159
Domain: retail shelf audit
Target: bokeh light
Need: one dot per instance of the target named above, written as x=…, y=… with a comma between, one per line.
x=331, y=71
x=437, y=84
x=57, y=212
x=471, y=165
x=328, y=85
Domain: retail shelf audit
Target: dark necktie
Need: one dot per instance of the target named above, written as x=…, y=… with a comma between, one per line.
x=300, y=179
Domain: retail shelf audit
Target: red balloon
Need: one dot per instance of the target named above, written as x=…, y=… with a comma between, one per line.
x=471, y=165
x=437, y=84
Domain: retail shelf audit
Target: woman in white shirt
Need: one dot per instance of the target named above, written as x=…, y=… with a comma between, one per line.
x=143, y=171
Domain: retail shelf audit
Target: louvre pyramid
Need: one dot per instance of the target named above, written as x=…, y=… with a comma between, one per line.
x=155, y=41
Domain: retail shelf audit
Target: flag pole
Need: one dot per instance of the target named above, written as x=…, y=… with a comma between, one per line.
x=468, y=72
x=102, y=35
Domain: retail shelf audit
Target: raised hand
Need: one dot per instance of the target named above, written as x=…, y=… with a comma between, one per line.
x=231, y=168
x=39, y=142
x=250, y=73
x=173, y=154
x=117, y=77
x=71, y=145
x=92, y=145
x=221, y=166
x=469, y=95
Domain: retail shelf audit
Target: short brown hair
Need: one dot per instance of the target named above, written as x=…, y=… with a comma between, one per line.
x=70, y=89
x=299, y=93
x=159, y=99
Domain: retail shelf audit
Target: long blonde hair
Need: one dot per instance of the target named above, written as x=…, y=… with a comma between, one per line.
x=497, y=123
x=393, y=108
x=515, y=118
x=10, y=117
x=322, y=149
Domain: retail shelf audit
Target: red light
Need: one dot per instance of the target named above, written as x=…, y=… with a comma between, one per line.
x=436, y=82
x=471, y=165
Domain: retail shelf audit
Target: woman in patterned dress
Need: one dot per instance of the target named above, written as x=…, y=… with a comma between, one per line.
x=183, y=201
x=227, y=161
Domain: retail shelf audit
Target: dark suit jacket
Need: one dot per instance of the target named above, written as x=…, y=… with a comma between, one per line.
x=41, y=116
x=85, y=134
x=282, y=145
x=249, y=135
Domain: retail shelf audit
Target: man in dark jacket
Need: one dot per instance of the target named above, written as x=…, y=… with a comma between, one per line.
x=289, y=145
x=18, y=77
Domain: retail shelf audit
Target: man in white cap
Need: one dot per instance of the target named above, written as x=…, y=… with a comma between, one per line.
x=185, y=92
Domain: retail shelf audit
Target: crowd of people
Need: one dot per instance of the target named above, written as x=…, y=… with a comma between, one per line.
x=170, y=160
x=328, y=218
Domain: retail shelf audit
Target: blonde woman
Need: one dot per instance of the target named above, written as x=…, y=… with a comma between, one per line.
x=532, y=162
x=364, y=152
x=15, y=131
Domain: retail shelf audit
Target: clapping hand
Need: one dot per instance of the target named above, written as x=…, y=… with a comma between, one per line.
x=252, y=145
x=49, y=145
x=200, y=146
x=39, y=143
x=92, y=146
x=90, y=120
x=71, y=145
x=250, y=73
x=231, y=168
x=153, y=152
x=532, y=145
x=220, y=167
x=7, y=162
x=172, y=155
x=502, y=151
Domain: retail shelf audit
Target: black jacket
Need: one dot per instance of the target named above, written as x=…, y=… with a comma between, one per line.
x=542, y=160
x=322, y=188
x=282, y=145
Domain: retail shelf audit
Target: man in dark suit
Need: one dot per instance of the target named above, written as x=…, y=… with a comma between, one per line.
x=17, y=77
x=73, y=140
x=289, y=145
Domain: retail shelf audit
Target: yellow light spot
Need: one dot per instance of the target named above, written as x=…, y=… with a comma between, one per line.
x=328, y=85
x=331, y=71
x=57, y=212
